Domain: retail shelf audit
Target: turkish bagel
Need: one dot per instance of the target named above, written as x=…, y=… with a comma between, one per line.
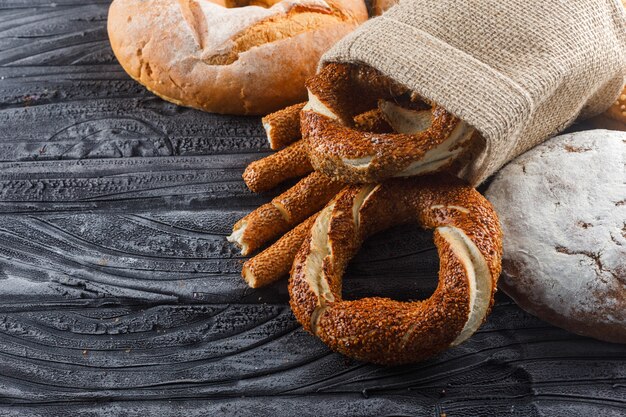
x=228, y=56
x=423, y=140
x=380, y=330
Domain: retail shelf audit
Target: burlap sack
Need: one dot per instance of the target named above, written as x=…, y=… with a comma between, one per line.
x=519, y=71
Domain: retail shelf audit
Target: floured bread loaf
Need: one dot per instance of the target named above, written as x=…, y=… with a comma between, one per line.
x=228, y=56
x=562, y=206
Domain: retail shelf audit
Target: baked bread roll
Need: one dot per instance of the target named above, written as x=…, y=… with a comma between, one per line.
x=228, y=56
x=380, y=6
x=562, y=206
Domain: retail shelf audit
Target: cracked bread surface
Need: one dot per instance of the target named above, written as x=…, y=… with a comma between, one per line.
x=250, y=59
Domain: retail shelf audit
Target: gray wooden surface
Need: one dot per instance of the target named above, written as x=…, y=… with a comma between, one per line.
x=120, y=296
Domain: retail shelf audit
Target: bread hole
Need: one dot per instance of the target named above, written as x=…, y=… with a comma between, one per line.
x=400, y=263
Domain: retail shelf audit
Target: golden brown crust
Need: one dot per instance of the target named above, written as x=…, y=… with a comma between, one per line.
x=382, y=330
x=179, y=51
x=283, y=126
x=273, y=219
x=332, y=143
x=259, y=227
x=306, y=197
x=421, y=141
x=372, y=121
x=351, y=89
x=266, y=173
x=381, y=6
x=275, y=261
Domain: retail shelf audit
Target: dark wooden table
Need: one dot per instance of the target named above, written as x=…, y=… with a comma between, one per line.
x=120, y=296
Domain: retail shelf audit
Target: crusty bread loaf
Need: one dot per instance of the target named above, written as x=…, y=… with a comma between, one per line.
x=380, y=6
x=225, y=56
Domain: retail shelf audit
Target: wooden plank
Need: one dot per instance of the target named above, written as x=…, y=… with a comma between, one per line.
x=175, y=255
x=120, y=296
x=247, y=355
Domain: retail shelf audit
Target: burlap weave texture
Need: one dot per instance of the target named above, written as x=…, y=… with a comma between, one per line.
x=519, y=71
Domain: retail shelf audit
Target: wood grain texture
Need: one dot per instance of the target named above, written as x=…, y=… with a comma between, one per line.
x=120, y=296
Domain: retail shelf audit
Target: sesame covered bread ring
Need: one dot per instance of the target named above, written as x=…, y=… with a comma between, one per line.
x=275, y=261
x=422, y=141
x=380, y=330
x=266, y=173
x=283, y=126
x=284, y=212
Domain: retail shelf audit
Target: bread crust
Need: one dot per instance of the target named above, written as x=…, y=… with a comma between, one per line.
x=283, y=127
x=562, y=207
x=284, y=212
x=266, y=173
x=423, y=141
x=386, y=331
x=381, y=6
x=275, y=262
x=182, y=50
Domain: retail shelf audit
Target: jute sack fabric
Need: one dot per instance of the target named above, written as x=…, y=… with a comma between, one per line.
x=519, y=71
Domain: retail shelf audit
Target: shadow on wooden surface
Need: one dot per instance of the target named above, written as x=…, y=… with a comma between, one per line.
x=120, y=296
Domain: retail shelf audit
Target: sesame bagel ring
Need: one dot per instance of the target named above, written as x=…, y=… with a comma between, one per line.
x=380, y=330
x=422, y=141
